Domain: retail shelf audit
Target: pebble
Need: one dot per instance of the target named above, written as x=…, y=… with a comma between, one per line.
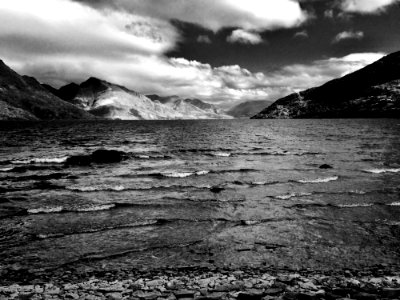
x=192, y=284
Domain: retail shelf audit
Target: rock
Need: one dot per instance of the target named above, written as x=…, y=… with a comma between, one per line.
x=107, y=156
x=154, y=283
x=114, y=296
x=273, y=291
x=308, y=286
x=391, y=292
x=325, y=166
x=79, y=160
x=250, y=294
x=216, y=189
x=212, y=296
x=71, y=295
x=365, y=296
x=184, y=294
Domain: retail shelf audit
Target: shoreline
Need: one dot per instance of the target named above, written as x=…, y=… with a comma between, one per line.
x=208, y=283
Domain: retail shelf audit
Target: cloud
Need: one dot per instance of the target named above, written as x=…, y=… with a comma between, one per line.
x=244, y=37
x=59, y=41
x=255, y=15
x=225, y=86
x=54, y=26
x=204, y=39
x=366, y=6
x=347, y=35
x=301, y=34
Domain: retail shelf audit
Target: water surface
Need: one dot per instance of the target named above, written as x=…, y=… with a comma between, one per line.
x=226, y=192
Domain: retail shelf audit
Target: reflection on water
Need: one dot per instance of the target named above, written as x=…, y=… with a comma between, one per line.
x=226, y=192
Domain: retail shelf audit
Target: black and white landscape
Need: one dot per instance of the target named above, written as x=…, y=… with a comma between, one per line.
x=205, y=150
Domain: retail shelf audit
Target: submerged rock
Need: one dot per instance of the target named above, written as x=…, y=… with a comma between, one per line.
x=79, y=160
x=101, y=156
x=325, y=166
x=107, y=156
x=216, y=189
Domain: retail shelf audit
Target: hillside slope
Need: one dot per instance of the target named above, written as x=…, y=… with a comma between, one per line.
x=371, y=92
x=23, y=98
x=111, y=101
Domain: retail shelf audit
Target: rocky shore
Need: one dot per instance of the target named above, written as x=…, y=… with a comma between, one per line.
x=380, y=282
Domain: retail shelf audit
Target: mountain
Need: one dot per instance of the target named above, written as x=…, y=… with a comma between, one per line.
x=248, y=109
x=111, y=101
x=192, y=106
x=23, y=98
x=372, y=92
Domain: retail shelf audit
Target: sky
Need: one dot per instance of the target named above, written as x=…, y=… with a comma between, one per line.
x=222, y=51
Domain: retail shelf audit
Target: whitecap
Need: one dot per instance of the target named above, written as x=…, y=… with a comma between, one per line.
x=45, y=210
x=177, y=174
x=6, y=169
x=394, y=204
x=259, y=183
x=380, y=171
x=289, y=196
x=250, y=222
x=319, y=180
x=199, y=173
x=97, y=188
x=44, y=160
x=143, y=156
x=48, y=236
x=222, y=154
x=358, y=192
x=355, y=205
x=95, y=208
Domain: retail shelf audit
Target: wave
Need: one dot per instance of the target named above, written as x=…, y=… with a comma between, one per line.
x=45, y=210
x=94, y=188
x=357, y=192
x=151, y=156
x=96, y=208
x=221, y=154
x=347, y=205
x=233, y=171
x=319, y=180
x=60, y=209
x=43, y=160
x=121, y=188
x=177, y=174
x=6, y=169
x=293, y=195
x=380, y=171
x=354, y=205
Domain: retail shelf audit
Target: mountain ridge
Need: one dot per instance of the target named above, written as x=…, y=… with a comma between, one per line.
x=373, y=91
x=24, y=98
x=113, y=101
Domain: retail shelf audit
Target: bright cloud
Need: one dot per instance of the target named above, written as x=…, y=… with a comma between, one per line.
x=49, y=26
x=59, y=41
x=365, y=6
x=244, y=37
x=224, y=86
x=247, y=14
x=348, y=35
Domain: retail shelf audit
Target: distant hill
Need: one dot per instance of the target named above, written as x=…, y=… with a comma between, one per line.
x=372, y=92
x=189, y=105
x=23, y=98
x=112, y=101
x=248, y=109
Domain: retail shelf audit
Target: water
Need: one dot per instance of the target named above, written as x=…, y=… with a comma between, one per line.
x=226, y=192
